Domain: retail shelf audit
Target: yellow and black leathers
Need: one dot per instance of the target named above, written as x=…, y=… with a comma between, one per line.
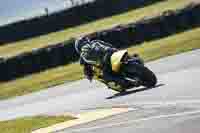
x=97, y=54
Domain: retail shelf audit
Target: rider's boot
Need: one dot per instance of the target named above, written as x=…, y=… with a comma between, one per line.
x=135, y=83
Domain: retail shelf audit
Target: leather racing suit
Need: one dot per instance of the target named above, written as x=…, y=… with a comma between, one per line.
x=98, y=53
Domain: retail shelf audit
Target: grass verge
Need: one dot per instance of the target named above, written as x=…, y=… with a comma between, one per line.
x=124, y=18
x=28, y=124
x=175, y=44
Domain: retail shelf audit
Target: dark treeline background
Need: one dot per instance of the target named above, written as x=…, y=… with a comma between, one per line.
x=122, y=36
x=67, y=18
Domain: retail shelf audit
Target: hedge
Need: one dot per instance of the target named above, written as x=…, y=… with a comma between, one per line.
x=77, y=15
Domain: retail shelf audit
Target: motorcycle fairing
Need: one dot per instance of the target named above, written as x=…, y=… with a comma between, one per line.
x=116, y=60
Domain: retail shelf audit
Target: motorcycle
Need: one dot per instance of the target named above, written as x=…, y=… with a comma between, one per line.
x=131, y=68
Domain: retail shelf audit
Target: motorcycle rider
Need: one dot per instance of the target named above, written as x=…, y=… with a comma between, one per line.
x=98, y=53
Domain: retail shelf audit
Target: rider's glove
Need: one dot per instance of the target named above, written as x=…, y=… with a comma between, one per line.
x=88, y=72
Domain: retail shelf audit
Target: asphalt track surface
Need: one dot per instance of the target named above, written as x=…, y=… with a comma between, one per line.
x=172, y=106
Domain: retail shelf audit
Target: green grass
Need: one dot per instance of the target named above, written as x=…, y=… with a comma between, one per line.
x=149, y=51
x=28, y=124
x=40, y=81
x=124, y=18
x=179, y=43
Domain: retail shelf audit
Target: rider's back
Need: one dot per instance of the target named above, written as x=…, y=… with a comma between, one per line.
x=94, y=52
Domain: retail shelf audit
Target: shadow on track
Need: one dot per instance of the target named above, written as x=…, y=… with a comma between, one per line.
x=132, y=91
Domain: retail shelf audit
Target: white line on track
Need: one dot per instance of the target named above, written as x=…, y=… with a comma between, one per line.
x=147, y=104
x=139, y=120
x=164, y=103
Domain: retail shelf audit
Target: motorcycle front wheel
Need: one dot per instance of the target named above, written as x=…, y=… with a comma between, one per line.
x=139, y=71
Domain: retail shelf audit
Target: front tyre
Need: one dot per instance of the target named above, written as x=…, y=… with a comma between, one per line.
x=146, y=76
